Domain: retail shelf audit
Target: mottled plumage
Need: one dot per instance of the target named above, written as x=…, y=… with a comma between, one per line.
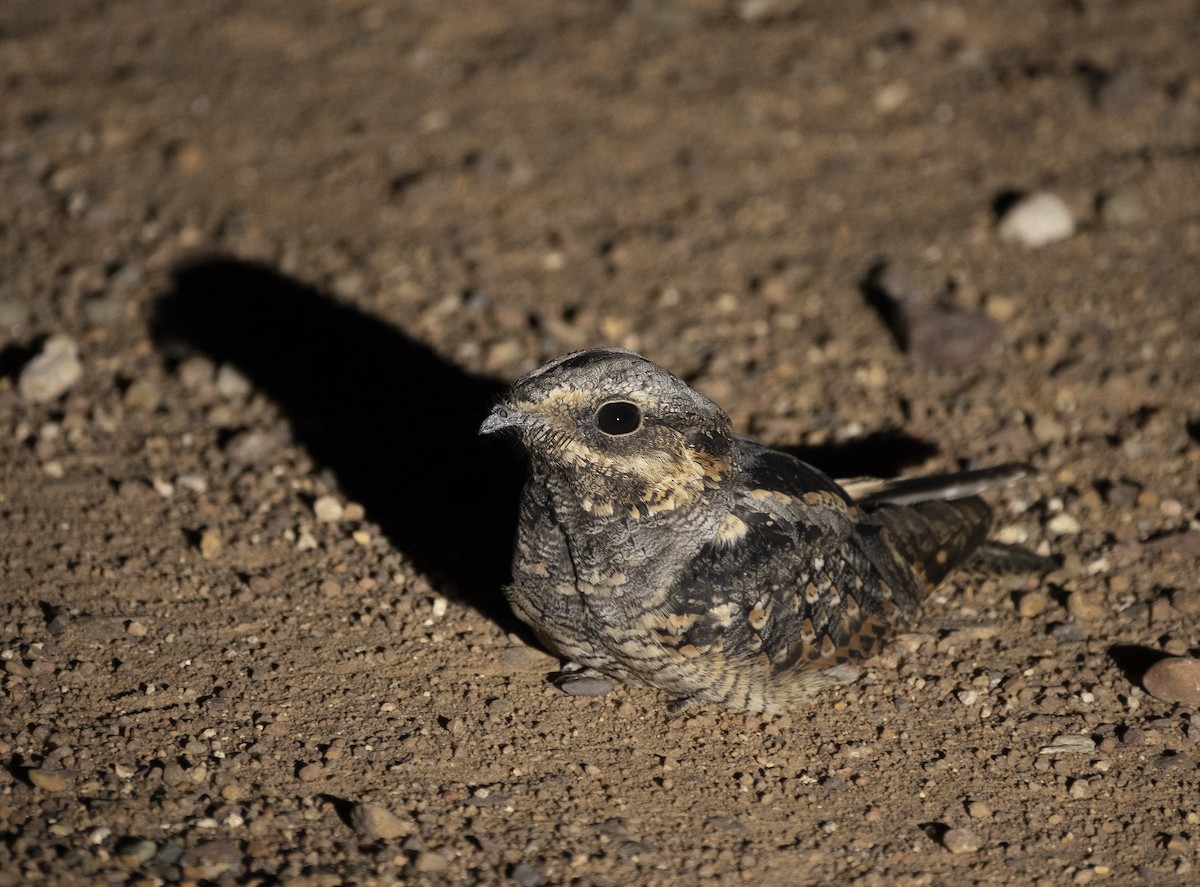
x=658, y=548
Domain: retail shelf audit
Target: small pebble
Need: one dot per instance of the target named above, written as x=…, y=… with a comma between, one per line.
x=1186, y=601
x=765, y=10
x=1177, y=646
x=1122, y=209
x=1033, y=604
x=1069, y=744
x=1085, y=606
x=196, y=373
x=135, y=851
x=378, y=823
x=213, y=858
x=1063, y=524
x=253, y=447
x=231, y=384
x=1161, y=611
x=429, y=863
x=1174, y=680
x=194, y=482
x=173, y=774
x=53, y=372
x=210, y=543
x=1037, y=220
x=49, y=780
x=327, y=510
x=310, y=772
x=143, y=395
x=961, y=840
x=979, y=810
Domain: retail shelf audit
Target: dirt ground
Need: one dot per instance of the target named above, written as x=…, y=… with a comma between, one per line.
x=252, y=628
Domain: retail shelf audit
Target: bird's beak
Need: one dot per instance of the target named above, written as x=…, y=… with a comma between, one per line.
x=505, y=416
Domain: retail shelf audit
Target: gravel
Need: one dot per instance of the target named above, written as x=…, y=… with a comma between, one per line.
x=348, y=228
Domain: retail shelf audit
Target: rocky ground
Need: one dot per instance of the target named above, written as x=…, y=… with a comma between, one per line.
x=263, y=268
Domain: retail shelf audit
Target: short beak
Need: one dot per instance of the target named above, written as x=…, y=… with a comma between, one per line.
x=502, y=417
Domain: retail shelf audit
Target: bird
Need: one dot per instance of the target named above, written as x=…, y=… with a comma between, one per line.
x=657, y=548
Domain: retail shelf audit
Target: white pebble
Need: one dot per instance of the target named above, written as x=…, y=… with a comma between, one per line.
x=53, y=372
x=231, y=384
x=1037, y=219
x=764, y=10
x=327, y=510
x=1012, y=535
x=439, y=607
x=1063, y=525
x=193, y=482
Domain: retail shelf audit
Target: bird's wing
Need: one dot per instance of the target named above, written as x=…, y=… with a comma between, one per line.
x=803, y=577
x=789, y=485
x=790, y=577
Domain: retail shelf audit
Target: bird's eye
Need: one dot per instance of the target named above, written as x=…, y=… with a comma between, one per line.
x=619, y=417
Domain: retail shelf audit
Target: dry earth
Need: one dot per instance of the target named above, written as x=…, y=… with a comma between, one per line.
x=252, y=628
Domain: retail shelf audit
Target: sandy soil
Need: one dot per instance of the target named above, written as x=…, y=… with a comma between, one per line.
x=252, y=629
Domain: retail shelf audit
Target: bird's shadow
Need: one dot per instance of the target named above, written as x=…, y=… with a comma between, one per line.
x=879, y=454
x=396, y=424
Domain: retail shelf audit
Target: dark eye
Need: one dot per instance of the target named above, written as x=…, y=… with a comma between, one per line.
x=619, y=417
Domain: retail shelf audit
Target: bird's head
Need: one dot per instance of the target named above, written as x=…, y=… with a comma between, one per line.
x=624, y=434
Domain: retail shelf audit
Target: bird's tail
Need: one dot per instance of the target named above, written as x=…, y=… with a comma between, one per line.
x=869, y=491
x=999, y=559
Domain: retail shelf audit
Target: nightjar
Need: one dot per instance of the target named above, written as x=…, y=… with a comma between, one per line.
x=658, y=548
